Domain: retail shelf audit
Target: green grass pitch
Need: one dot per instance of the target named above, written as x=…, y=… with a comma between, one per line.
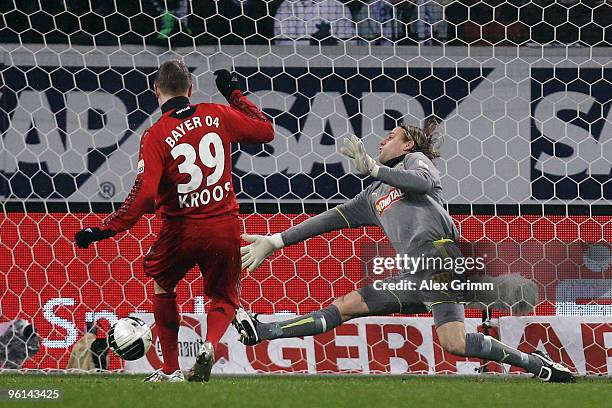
x=310, y=391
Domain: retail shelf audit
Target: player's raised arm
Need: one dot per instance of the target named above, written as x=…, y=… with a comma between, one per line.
x=140, y=200
x=248, y=123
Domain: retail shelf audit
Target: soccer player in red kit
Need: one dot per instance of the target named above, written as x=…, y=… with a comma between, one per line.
x=184, y=173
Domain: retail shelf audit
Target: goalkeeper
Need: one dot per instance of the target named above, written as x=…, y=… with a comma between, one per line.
x=405, y=201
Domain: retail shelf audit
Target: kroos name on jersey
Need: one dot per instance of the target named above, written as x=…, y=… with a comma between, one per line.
x=197, y=198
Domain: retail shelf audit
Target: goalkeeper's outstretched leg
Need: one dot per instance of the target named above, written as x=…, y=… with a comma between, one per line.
x=345, y=308
x=448, y=318
x=453, y=339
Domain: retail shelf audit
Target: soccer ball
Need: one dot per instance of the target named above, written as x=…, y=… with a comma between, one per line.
x=130, y=338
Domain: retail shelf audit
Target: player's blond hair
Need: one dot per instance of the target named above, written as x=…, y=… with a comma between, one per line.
x=426, y=140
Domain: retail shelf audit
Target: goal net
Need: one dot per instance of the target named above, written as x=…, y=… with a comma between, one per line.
x=523, y=90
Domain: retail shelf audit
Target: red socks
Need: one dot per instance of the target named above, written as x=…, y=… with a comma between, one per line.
x=218, y=320
x=167, y=322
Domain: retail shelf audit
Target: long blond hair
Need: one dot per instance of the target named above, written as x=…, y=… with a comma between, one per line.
x=426, y=140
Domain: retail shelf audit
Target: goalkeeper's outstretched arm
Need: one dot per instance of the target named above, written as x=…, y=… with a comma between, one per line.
x=354, y=213
x=330, y=220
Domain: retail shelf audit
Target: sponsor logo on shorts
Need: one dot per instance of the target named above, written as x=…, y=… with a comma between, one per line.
x=384, y=202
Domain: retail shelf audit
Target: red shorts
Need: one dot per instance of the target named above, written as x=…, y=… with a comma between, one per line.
x=212, y=244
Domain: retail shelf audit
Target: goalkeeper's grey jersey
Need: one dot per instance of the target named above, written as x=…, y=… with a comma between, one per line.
x=405, y=201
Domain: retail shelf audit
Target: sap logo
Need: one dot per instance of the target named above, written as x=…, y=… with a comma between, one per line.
x=314, y=107
x=59, y=125
x=569, y=120
x=34, y=136
x=571, y=137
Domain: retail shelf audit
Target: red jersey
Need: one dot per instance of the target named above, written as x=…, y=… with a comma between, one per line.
x=184, y=165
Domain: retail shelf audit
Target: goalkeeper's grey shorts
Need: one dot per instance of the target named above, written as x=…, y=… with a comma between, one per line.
x=410, y=296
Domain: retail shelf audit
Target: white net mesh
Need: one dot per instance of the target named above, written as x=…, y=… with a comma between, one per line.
x=524, y=92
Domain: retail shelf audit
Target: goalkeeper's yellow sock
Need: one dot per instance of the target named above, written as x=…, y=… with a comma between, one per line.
x=489, y=348
x=307, y=325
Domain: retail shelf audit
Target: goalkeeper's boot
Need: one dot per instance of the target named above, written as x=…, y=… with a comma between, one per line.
x=160, y=376
x=552, y=371
x=204, y=363
x=246, y=325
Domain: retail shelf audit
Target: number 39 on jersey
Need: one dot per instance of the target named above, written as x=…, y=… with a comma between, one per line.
x=211, y=154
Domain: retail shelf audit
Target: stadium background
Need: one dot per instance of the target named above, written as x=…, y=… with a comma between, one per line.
x=526, y=161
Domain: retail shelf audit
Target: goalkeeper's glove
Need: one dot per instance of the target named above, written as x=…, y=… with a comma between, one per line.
x=88, y=235
x=262, y=247
x=226, y=82
x=355, y=150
